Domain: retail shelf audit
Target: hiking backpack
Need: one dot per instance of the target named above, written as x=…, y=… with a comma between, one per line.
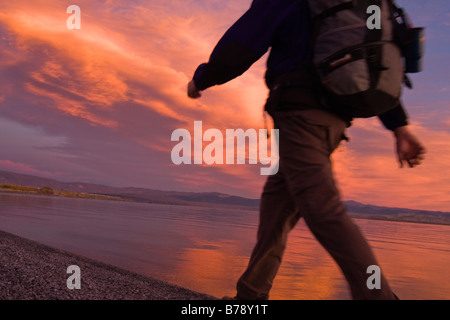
x=360, y=67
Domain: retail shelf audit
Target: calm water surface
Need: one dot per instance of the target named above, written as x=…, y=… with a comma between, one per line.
x=207, y=249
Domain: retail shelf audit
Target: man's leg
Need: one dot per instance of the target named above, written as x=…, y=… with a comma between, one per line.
x=307, y=139
x=277, y=217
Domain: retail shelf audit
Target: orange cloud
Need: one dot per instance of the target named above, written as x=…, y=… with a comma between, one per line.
x=130, y=53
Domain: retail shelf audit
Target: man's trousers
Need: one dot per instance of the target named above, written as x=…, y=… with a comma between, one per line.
x=304, y=187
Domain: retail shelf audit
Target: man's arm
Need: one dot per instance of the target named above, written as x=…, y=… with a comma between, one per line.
x=394, y=118
x=409, y=149
x=245, y=42
x=193, y=91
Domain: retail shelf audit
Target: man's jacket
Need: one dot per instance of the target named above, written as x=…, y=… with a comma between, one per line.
x=284, y=27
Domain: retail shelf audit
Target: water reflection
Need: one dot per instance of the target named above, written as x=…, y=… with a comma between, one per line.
x=207, y=249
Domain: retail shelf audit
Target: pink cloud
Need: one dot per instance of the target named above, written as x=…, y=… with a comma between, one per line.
x=8, y=165
x=116, y=89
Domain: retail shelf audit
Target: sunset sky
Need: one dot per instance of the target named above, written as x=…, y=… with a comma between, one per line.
x=99, y=104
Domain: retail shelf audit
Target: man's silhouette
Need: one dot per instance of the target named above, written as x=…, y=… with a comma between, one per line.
x=309, y=132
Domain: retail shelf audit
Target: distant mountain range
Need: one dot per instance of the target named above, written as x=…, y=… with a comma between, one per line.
x=356, y=209
x=130, y=193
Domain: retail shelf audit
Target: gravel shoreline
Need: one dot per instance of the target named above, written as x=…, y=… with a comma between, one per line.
x=32, y=271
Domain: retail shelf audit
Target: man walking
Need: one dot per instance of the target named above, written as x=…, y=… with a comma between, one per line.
x=309, y=132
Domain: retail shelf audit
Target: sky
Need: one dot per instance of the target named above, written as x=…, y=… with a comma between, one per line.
x=99, y=104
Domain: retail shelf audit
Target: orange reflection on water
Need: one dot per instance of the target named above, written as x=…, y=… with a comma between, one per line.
x=415, y=264
x=307, y=271
x=415, y=259
x=212, y=267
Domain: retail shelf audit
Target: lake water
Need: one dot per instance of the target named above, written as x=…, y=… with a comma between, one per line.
x=207, y=249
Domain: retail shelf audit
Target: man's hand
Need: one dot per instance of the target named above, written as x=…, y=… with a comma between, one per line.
x=192, y=90
x=409, y=148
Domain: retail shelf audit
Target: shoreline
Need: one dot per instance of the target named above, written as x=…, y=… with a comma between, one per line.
x=443, y=221
x=33, y=271
x=17, y=189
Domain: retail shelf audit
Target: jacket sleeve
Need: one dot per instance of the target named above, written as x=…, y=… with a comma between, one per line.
x=394, y=118
x=247, y=40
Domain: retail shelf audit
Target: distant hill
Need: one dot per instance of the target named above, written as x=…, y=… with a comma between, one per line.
x=366, y=211
x=130, y=193
x=356, y=209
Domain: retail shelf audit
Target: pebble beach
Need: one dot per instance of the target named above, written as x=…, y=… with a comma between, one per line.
x=32, y=271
